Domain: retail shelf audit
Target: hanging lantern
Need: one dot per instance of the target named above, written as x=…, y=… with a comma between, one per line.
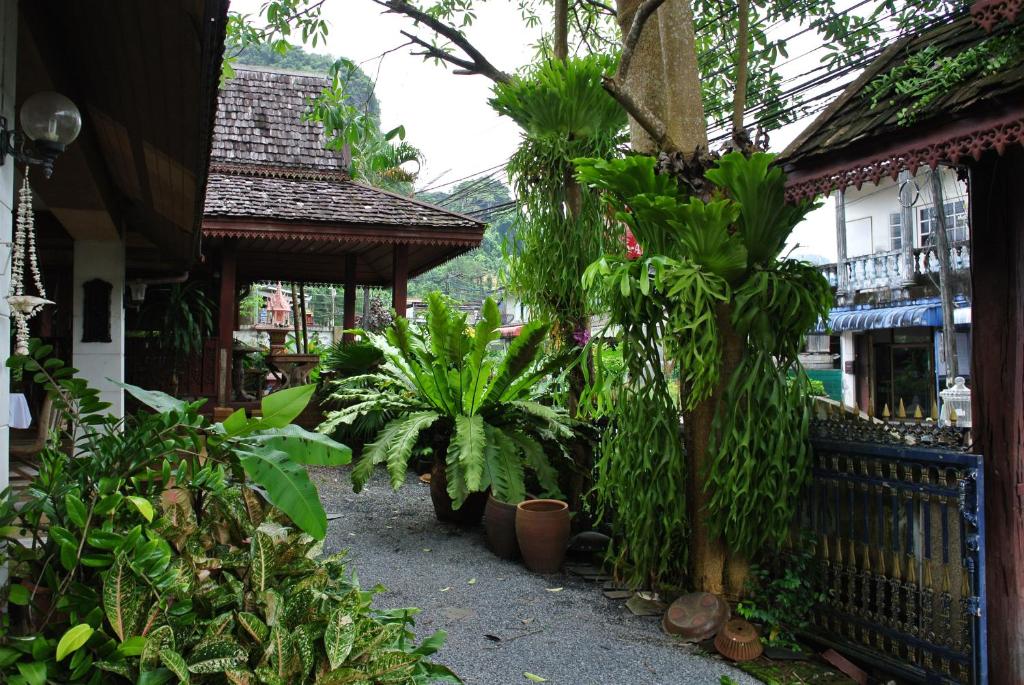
x=23, y=306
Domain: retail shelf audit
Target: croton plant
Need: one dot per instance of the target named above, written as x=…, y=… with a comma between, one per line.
x=162, y=548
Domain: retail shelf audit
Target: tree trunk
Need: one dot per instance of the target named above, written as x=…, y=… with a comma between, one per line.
x=707, y=552
x=664, y=76
x=997, y=396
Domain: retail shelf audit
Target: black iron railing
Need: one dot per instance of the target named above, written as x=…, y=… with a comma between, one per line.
x=897, y=511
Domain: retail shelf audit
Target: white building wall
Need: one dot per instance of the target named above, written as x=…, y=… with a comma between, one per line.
x=847, y=354
x=868, y=209
x=8, y=55
x=101, y=364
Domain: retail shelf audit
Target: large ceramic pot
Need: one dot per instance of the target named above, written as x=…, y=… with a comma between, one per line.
x=500, y=523
x=542, y=528
x=471, y=511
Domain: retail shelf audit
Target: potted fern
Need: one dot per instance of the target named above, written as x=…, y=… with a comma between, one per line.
x=479, y=414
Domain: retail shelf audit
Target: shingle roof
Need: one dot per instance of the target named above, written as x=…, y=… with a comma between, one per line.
x=259, y=122
x=316, y=201
x=269, y=165
x=853, y=117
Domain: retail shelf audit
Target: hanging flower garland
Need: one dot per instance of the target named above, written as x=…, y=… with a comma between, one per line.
x=24, y=307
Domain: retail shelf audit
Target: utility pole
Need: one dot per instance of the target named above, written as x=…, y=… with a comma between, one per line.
x=945, y=286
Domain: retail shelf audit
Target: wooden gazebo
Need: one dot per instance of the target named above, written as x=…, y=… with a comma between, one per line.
x=279, y=206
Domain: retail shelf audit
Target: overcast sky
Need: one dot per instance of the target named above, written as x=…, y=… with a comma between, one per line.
x=447, y=116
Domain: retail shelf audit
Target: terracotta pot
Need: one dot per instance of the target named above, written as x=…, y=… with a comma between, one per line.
x=542, y=527
x=471, y=511
x=500, y=522
x=738, y=641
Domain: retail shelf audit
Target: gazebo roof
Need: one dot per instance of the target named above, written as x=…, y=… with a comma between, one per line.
x=856, y=140
x=289, y=204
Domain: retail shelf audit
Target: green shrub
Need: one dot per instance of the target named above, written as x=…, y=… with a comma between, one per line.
x=782, y=599
x=152, y=558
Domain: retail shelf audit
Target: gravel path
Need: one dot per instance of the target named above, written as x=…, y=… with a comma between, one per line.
x=574, y=636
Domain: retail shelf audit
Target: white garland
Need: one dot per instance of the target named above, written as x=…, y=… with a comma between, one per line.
x=24, y=307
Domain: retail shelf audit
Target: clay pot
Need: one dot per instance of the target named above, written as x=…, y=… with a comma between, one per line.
x=500, y=523
x=471, y=511
x=738, y=641
x=542, y=527
x=696, y=616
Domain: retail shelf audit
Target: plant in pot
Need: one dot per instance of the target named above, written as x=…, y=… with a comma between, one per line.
x=481, y=417
x=153, y=559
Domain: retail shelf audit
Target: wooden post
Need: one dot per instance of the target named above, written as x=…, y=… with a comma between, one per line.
x=350, y=297
x=226, y=322
x=997, y=395
x=296, y=329
x=843, y=286
x=399, y=278
x=302, y=313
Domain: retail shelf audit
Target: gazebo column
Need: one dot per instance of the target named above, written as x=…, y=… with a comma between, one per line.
x=350, y=297
x=399, y=278
x=997, y=395
x=226, y=322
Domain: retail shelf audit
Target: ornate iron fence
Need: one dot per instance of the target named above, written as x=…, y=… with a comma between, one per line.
x=897, y=511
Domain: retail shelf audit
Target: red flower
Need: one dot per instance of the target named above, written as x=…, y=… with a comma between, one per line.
x=633, y=249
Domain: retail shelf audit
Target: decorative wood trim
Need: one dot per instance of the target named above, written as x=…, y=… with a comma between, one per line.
x=990, y=13
x=277, y=171
x=968, y=140
x=335, y=233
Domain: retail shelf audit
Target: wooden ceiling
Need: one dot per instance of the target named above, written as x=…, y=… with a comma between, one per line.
x=144, y=75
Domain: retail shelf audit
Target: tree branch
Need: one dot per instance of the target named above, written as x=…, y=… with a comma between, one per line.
x=605, y=9
x=647, y=119
x=739, y=100
x=643, y=13
x=616, y=85
x=476, y=64
x=434, y=52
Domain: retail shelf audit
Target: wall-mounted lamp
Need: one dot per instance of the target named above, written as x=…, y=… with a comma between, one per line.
x=50, y=121
x=137, y=292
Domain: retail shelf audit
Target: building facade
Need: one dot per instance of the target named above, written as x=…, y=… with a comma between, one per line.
x=885, y=333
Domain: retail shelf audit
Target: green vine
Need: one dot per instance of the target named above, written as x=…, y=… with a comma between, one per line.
x=928, y=75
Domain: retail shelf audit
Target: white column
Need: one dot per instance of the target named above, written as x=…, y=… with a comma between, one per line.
x=848, y=354
x=8, y=55
x=101, y=364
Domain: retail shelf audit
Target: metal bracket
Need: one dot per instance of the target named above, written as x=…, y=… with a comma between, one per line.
x=969, y=510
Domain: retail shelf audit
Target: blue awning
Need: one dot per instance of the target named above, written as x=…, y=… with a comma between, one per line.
x=918, y=313
x=903, y=316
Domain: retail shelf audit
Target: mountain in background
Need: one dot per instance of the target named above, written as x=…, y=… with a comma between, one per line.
x=475, y=275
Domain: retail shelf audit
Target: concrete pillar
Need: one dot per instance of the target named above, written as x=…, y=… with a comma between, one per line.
x=101, y=364
x=907, y=194
x=8, y=57
x=848, y=357
x=843, y=285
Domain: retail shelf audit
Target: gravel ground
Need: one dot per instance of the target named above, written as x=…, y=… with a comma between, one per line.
x=574, y=636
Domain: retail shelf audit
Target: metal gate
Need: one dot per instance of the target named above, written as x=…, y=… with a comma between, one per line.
x=897, y=510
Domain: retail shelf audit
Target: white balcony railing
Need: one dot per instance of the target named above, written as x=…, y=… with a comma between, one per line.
x=886, y=269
